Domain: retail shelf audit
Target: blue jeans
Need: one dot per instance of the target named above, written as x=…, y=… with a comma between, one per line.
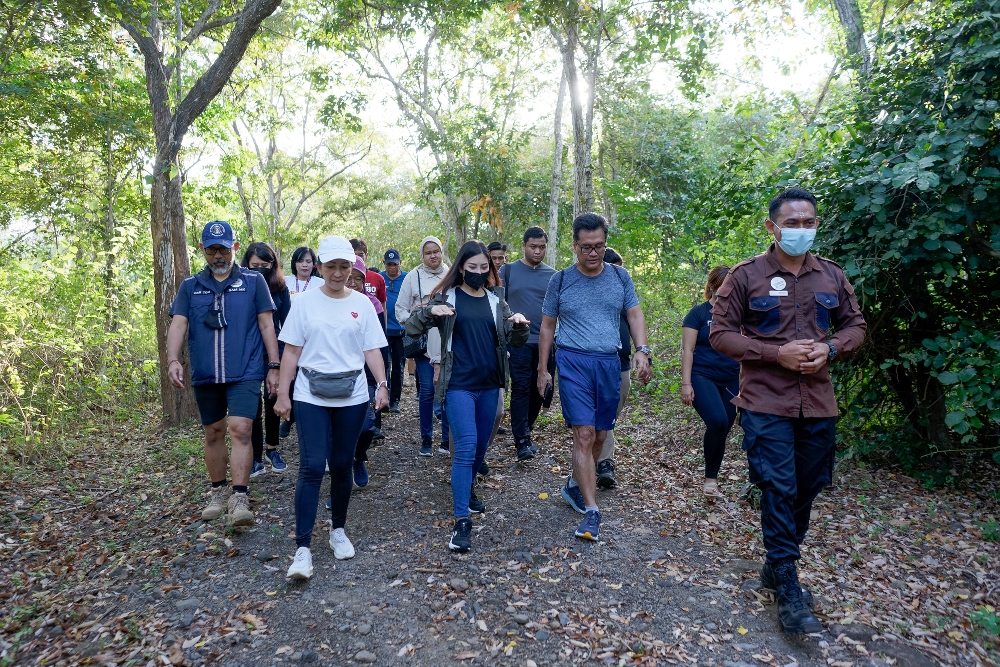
x=791, y=460
x=711, y=400
x=425, y=376
x=325, y=434
x=471, y=415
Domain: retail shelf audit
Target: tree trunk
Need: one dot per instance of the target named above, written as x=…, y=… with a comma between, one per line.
x=854, y=33
x=583, y=170
x=170, y=268
x=553, y=246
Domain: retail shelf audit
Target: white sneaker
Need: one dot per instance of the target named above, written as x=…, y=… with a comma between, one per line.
x=342, y=547
x=302, y=566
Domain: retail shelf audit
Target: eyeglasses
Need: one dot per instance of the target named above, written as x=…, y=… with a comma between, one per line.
x=218, y=250
x=591, y=249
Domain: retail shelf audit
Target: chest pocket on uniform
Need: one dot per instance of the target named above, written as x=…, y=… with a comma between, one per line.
x=825, y=302
x=765, y=316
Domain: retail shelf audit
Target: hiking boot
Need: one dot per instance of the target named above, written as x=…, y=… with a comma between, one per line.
x=590, y=528
x=217, y=505
x=302, y=566
x=285, y=429
x=606, y=474
x=767, y=581
x=273, y=457
x=793, y=614
x=476, y=505
x=574, y=496
x=239, y=513
x=524, y=450
x=257, y=469
x=461, y=536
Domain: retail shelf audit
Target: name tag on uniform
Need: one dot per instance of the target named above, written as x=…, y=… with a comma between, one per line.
x=776, y=292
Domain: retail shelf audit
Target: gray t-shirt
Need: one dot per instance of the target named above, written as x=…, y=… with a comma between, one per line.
x=589, y=309
x=525, y=287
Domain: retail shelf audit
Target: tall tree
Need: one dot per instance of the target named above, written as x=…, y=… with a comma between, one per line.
x=175, y=106
x=556, y=188
x=852, y=23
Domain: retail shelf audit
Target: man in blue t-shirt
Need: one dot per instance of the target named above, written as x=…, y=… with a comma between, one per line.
x=394, y=331
x=224, y=311
x=587, y=299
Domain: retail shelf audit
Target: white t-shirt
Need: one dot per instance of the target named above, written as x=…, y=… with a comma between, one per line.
x=296, y=286
x=333, y=335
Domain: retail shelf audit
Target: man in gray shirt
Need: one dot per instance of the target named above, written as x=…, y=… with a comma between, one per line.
x=587, y=299
x=525, y=282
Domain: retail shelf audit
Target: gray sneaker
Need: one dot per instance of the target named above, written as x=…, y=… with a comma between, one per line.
x=239, y=513
x=217, y=505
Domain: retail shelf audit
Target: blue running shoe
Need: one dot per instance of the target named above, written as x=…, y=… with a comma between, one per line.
x=258, y=469
x=590, y=529
x=329, y=503
x=360, y=473
x=574, y=497
x=425, y=450
x=273, y=457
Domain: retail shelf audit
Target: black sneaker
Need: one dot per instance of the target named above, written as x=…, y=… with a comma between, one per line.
x=444, y=449
x=606, y=474
x=484, y=470
x=285, y=429
x=394, y=407
x=501, y=430
x=378, y=435
x=476, y=505
x=793, y=614
x=767, y=580
x=461, y=536
x=524, y=450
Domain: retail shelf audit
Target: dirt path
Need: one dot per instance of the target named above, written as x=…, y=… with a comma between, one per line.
x=132, y=577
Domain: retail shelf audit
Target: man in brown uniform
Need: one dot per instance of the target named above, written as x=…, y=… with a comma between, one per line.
x=785, y=315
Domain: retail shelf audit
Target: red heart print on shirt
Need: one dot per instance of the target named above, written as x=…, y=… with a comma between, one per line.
x=354, y=315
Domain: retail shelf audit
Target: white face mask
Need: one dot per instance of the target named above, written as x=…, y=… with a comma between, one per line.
x=796, y=241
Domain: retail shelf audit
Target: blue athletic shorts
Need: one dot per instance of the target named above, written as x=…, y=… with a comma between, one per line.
x=589, y=386
x=238, y=399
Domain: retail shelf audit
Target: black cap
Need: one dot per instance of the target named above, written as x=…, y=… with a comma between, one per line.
x=391, y=256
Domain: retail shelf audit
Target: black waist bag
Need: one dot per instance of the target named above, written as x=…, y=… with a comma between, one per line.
x=331, y=385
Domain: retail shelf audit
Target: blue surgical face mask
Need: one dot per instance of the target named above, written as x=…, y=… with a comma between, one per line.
x=796, y=241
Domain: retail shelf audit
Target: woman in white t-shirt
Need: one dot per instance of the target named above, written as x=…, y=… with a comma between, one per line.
x=329, y=335
x=304, y=271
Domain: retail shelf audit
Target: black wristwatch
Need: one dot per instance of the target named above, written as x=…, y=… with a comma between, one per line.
x=273, y=365
x=645, y=350
x=833, y=352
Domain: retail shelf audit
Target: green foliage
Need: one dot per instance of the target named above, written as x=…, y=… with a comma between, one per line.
x=908, y=174
x=987, y=620
x=991, y=530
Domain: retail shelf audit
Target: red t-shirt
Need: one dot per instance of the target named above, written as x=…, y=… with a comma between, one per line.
x=375, y=286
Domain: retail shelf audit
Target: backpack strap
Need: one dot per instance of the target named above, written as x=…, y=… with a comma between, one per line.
x=506, y=278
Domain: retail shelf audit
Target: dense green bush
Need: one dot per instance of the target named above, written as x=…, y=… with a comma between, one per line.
x=908, y=173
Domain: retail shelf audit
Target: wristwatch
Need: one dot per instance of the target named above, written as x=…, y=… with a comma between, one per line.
x=833, y=352
x=645, y=350
x=273, y=365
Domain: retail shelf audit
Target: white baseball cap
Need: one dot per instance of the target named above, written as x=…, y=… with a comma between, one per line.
x=335, y=247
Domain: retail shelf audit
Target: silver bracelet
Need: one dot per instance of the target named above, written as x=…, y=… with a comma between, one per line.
x=381, y=384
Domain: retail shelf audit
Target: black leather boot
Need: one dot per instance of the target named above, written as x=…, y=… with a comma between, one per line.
x=767, y=581
x=793, y=613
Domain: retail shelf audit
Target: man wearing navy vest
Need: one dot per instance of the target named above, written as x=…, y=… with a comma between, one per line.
x=225, y=312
